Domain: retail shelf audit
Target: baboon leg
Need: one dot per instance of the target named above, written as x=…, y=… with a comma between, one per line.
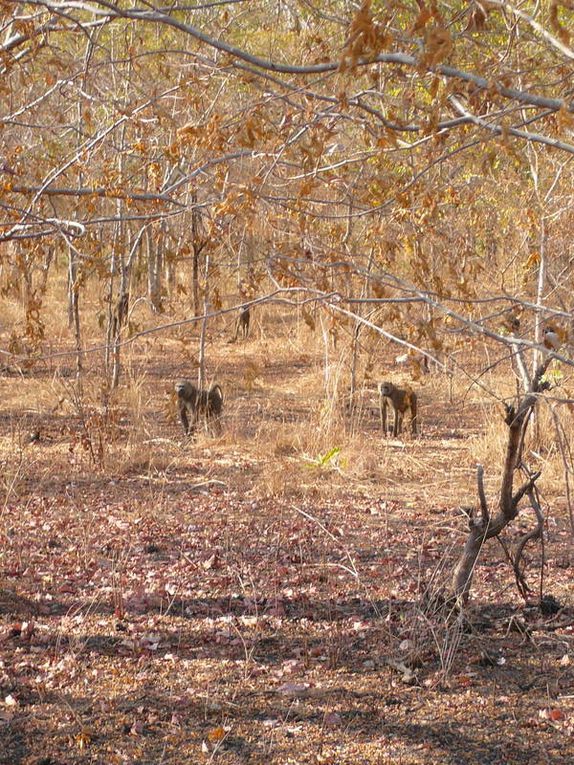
x=183, y=418
x=383, y=412
x=244, y=318
x=397, y=427
x=193, y=424
x=188, y=425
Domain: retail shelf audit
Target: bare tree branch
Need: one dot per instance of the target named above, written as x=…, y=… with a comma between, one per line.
x=501, y=130
x=152, y=14
x=482, y=496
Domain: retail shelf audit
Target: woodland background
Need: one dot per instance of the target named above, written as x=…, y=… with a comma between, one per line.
x=386, y=185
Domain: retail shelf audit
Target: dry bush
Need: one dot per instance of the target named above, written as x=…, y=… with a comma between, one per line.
x=489, y=447
x=14, y=473
x=134, y=399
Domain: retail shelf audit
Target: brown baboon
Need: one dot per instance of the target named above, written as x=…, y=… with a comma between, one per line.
x=193, y=401
x=120, y=314
x=417, y=362
x=242, y=324
x=400, y=399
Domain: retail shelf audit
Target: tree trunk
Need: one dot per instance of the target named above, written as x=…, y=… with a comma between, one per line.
x=201, y=370
x=464, y=570
x=115, y=328
x=153, y=274
x=74, y=308
x=197, y=244
x=195, y=282
x=120, y=314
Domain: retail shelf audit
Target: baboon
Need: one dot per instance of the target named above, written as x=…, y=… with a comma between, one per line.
x=512, y=322
x=400, y=399
x=242, y=324
x=418, y=362
x=120, y=313
x=193, y=401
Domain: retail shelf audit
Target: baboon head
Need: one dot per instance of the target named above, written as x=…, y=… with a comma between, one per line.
x=386, y=388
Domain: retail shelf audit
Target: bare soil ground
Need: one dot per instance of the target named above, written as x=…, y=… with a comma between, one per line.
x=244, y=598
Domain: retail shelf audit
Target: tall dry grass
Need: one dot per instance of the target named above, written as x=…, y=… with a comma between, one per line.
x=287, y=409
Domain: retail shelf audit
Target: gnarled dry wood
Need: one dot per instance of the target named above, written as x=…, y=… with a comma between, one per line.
x=488, y=526
x=535, y=533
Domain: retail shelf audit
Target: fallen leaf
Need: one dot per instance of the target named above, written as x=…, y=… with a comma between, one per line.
x=210, y=562
x=556, y=714
x=216, y=734
x=84, y=738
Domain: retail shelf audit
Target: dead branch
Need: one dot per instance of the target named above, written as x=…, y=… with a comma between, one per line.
x=483, y=503
x=489, y=526
x=567, y=462
x=535, y=533
x=526, y=488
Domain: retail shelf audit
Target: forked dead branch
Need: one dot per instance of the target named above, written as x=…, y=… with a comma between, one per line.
x=488, y=525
